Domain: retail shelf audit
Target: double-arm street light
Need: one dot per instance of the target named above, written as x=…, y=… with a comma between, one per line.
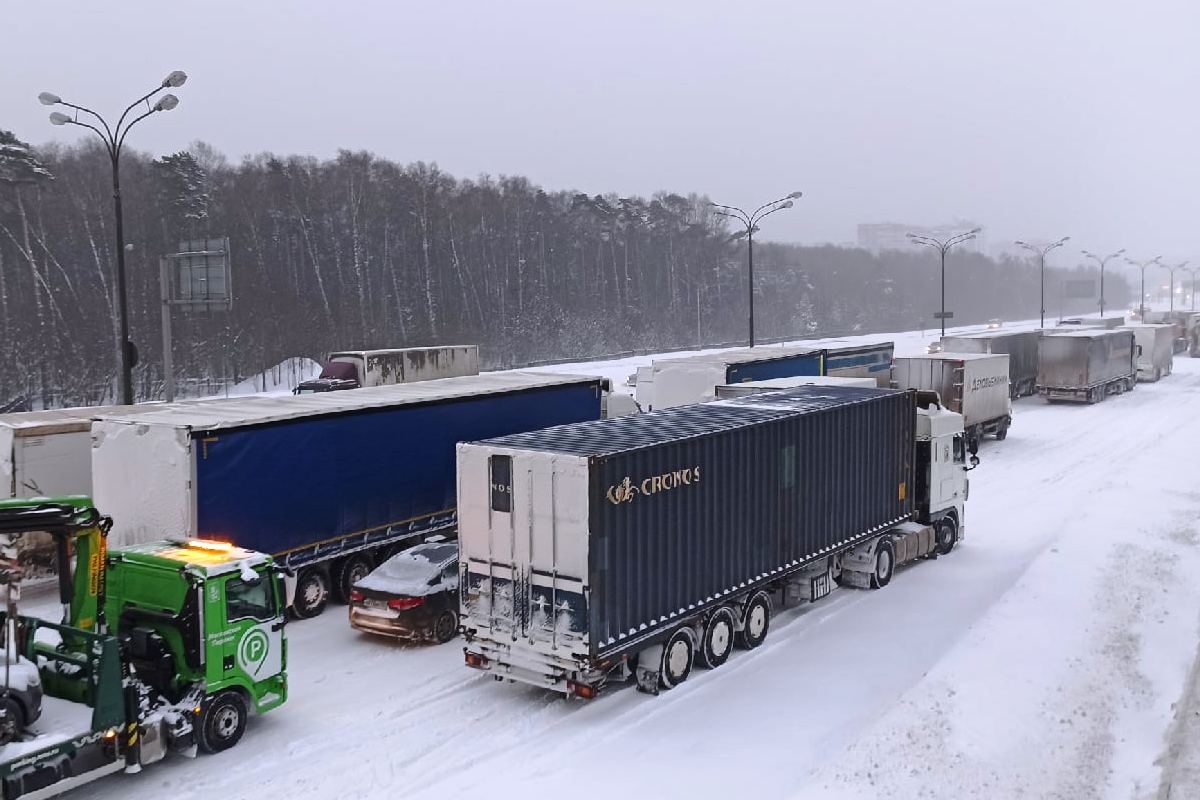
x=1102, y=261
x=750, y=221
x=113, y=138
x=1194, y=271
x=1142, y=298
x=942, y=247
x=1182, y=265
x=1041, y=250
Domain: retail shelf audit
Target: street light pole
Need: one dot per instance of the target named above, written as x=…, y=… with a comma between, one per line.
x=114, y=140
x=750, y=221
x=1042, y=250
x=1181, y=266
x=1102, y=262
x=1194, y=271
x=942, y=247
x=1142, y=266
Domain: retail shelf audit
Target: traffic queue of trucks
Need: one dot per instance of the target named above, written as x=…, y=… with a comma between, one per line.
x=592, y=549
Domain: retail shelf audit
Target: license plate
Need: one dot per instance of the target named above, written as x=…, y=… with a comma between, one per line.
x=375, y=603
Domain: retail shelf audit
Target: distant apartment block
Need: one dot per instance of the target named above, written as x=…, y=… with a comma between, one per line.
x=880, y=236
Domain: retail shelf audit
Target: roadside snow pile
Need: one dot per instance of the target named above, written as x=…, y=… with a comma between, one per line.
x=280, y=379
x=1065, y=688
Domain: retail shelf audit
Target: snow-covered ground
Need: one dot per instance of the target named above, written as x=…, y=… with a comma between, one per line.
x=1041, y=659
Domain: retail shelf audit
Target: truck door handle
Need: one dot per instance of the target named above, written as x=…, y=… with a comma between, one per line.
x=228, y=663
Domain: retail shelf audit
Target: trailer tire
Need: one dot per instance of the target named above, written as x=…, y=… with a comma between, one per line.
x=312, y=593
x=757, y=622
x=677, y=657
x=1002, y=430
x=445, y=627
x=716, y=642
x=946, y=534
x=347, y=572
x=885, y=565
x=222, y=722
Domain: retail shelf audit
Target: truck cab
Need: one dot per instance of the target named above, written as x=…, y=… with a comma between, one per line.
x=942, y=486
x=202, y=619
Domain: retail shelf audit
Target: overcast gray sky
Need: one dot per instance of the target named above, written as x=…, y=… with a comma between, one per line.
x=1037, y=118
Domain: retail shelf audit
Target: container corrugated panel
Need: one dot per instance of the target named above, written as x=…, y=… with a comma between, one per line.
x=691, y=504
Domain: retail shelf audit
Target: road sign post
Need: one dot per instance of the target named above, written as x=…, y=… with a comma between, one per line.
x=197, y=278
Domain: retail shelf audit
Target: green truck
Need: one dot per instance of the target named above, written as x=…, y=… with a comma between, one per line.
x=162, y=647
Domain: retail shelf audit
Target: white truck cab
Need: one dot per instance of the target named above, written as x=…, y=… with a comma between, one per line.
x=941, y=474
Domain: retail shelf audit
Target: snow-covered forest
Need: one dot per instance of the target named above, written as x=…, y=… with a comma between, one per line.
x=359, y=251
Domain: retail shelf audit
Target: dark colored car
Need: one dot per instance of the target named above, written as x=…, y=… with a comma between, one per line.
x=412, y=595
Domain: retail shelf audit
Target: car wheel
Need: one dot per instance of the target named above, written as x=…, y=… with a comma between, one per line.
x=445, y=627
x=312, y=593
x=222, y=722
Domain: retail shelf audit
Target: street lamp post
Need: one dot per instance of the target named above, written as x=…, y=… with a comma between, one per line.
x=1041, y=250
x=1142, y=298
x=1102, y=262
x=1182, y=265
x=750, y=221
x=942, y=247
x=114, y=138
x=1194, y=271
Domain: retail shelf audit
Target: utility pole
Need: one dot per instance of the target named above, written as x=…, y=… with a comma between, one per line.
x=750, y=222
x=1041, y=250
x=1102, y=262
x=1182, y=265
x=942, y=247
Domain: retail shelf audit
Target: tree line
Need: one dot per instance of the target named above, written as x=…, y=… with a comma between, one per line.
x=361, y=252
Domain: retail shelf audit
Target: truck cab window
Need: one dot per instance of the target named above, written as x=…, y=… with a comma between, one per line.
x=960, y=452
x=249, y=600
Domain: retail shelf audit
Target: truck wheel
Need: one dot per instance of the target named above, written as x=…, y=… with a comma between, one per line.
x=885, y=565
x=717, y=641
x=757, y=622
x=347, y=572
x=947, y=535
x=677, y=658
x=12, y=721
x=1002, y=432
x=312, y=593
x=222, y=722
x=446, y=626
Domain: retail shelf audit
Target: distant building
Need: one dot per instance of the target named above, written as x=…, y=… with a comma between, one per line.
x=880, y=236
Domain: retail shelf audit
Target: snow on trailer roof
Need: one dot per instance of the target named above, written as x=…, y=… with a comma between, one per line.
x=237, y=412
x=1084, y=333
x=58, y=420
x=637, y=431
x=744, y=354
x=951, y=356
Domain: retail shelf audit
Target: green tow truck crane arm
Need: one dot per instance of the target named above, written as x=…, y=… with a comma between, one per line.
x=71, y=521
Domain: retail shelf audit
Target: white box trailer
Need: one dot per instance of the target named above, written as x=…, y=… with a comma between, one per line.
x=694, y=379
x=356, y=369
x=1155, y=348
x=49, y=453
x=975, y=385
x=776, y=384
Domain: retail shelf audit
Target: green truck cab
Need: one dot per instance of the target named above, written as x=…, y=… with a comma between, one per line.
x=166, y=646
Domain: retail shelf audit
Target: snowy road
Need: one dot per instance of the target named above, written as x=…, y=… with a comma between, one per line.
x=1040, y=659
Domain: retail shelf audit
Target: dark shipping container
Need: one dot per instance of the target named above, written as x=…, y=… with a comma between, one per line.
x=692, y=504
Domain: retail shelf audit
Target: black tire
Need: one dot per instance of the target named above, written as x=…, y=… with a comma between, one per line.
x=885, y=565
x=757, y=622
x=677, y=656
x=347, y=572
x=312, y=593
x=946, y=533
x=716, y=642
x=445, y=627
x=12, y=720
x=222, y=722
x=1002, y=432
